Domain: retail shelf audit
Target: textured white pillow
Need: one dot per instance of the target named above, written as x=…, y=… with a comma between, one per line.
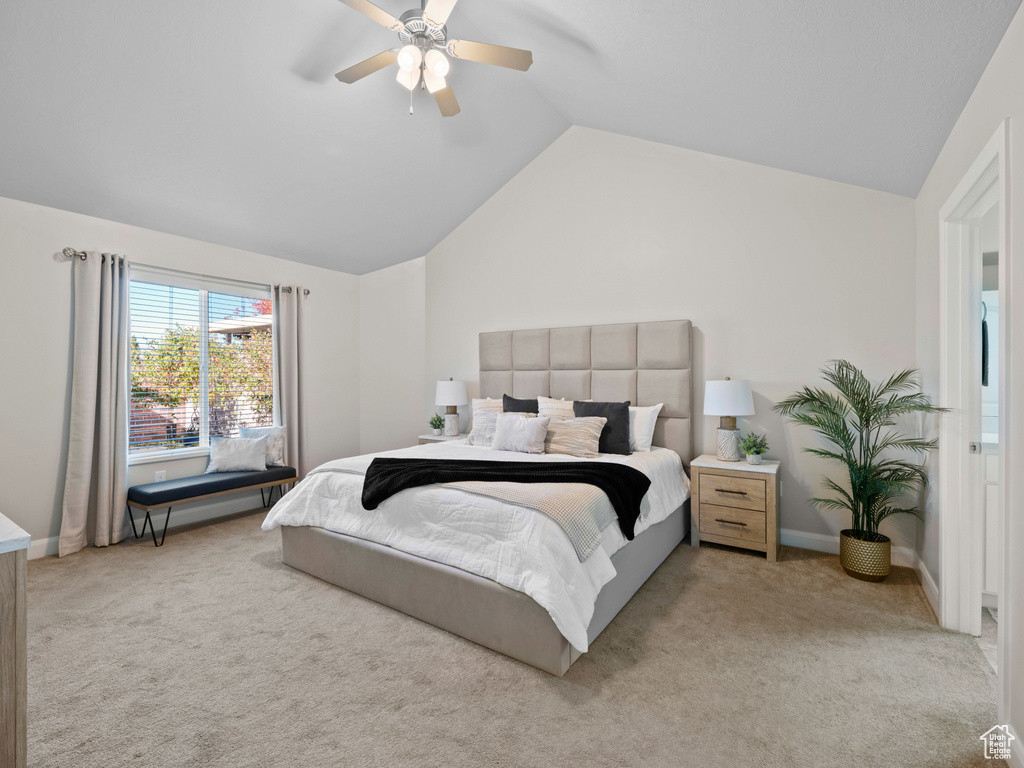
x=575, y=437
x=520, y=433
x=555, y=409
x=237, y=454
x=482, y=432
x=642, y=421
x=275, y=442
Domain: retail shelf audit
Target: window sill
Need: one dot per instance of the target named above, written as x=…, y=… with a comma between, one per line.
x=160, y=456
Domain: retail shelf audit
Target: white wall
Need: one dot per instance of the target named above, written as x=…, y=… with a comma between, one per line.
x=35, y=344
x=999, y=95
x=779, y=272
x=392, y=337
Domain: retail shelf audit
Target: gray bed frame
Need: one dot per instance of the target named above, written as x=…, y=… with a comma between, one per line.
x=645, y=363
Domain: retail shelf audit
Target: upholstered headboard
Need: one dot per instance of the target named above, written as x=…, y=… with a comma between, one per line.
x=645, y=363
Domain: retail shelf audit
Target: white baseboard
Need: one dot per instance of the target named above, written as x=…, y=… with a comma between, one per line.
x=43, y=547
x=1016, y=750
x=197, y=513
x=931, y=589
x=820, y=542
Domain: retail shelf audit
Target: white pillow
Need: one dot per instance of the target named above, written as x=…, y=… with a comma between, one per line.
x=482, y=432
x=555, y=409
x=520, y=433
x=642, y=421
x=275, y=442
x=575, y=437
x=237, y=454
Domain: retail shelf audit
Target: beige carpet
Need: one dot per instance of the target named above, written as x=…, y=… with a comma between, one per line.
x=210, y=652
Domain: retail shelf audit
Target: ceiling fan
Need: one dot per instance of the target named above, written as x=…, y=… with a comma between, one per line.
x=421, y=56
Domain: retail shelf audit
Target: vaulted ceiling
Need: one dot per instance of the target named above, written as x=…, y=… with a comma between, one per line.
x=222, y=121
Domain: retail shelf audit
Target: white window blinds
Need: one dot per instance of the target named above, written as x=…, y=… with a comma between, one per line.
x=201, y=360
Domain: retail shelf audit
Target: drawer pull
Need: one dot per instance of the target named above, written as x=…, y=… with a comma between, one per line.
x=729, y=522
x=738, y=493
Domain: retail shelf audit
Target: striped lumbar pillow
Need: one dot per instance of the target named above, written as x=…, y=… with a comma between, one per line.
x=548, y=407
x=488, y=404
x=575, y=437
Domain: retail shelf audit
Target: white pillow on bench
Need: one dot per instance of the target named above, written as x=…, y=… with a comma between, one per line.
x=237, y=454
x=275, y=442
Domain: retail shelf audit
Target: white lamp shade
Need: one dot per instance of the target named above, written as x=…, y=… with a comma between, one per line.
x=728, y=398
x=409, y=78
x=436, y=62
x=432, y=81
x=451, y=393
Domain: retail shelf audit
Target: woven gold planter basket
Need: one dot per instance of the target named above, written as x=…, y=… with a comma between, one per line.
x=865, y=560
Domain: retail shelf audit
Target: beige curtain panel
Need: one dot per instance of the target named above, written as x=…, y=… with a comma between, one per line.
x=289, y=401
x=95, y=485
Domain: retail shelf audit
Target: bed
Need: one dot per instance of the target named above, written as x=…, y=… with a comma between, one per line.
x=520, y=595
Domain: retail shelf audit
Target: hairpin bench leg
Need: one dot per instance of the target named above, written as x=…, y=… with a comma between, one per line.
x=131, y=517
x=152, y=528
x=263, y=498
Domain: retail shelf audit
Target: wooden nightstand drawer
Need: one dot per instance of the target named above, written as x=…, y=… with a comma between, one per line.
x=743, y=524
x=727, y=491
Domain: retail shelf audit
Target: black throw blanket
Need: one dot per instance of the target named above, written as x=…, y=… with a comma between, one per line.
x=624, y=485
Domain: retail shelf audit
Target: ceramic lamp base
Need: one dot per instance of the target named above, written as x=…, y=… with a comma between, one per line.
x=729, y=445
x=451, y=424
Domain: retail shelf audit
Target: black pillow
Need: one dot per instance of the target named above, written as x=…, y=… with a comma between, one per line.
x=516, y=405
x=615, y=435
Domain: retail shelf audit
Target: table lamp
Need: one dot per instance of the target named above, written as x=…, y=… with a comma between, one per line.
x=728, y=399
x=451, y=394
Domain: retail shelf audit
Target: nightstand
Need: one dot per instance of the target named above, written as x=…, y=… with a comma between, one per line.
x=735, y=503
x=424, y=439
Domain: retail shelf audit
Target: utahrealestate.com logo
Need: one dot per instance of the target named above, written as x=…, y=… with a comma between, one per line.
x=997, y=742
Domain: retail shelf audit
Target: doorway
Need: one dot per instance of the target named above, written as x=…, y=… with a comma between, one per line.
x=973, y=385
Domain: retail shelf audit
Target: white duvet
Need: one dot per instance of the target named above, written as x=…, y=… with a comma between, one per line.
x=515, y=546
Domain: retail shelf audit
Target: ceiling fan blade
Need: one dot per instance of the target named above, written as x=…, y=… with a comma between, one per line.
x=379, y=15
x=446, y=101
x=438, y=11
x=367, y=67
x=485, y=53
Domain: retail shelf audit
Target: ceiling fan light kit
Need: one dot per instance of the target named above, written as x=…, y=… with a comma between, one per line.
x=421, y=56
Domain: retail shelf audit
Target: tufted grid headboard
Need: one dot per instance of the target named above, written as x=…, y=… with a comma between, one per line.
x=645, y=363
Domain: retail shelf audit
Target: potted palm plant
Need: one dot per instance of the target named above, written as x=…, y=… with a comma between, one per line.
x=859, y=421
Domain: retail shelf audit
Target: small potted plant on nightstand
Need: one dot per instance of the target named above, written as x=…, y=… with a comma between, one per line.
x=436, y=424
x=755, y=446
x=860, y=421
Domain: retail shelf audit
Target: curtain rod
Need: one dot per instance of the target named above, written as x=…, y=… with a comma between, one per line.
x=71, y=253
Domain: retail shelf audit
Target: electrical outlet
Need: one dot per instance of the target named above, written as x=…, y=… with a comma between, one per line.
x=160, y=475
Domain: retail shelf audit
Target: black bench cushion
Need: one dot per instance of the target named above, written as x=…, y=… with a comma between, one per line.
x=169, y=491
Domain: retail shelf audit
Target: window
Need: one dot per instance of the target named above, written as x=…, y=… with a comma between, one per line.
x=201, y=361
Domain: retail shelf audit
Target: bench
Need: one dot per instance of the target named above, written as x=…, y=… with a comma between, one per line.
x=171, y=493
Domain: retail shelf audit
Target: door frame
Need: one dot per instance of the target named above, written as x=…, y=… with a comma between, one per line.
x=961, y=516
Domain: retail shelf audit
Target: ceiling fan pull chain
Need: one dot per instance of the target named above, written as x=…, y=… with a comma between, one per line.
x=410, y=102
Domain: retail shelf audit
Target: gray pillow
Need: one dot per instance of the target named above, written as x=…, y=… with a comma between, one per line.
x=615, y=436
x=237, y=454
